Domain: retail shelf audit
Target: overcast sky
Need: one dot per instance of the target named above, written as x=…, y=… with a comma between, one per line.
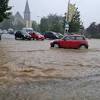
x=89, y=9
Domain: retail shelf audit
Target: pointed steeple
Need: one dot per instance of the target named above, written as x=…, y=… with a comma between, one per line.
x=27, y=15
x=27, y=9
x=27, y=12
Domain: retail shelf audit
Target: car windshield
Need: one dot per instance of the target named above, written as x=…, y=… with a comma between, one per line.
x=60, y=35
x=55, y=34
x=28, y=30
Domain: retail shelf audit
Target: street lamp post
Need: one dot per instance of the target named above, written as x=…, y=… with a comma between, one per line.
x=38, y=19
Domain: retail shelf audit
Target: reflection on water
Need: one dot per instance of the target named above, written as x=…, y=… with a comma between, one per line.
x=20, y=60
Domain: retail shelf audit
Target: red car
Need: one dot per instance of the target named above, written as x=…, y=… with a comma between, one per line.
x=37, y=35
x=71, y=41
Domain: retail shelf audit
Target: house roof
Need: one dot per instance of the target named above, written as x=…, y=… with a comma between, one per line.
x=18, y=15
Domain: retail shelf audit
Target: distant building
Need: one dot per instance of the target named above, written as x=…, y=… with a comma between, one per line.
x=27, y=12
x=18, y=21
x=27, y=15
x=18, y=18
x=26, y=21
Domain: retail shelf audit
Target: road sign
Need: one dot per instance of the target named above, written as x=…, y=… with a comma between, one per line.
x=66, y=26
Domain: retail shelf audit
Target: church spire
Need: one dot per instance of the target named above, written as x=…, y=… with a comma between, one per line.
x=27, y=15
x=27, y=12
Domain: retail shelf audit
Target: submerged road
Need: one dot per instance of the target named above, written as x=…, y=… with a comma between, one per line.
x=31, y=70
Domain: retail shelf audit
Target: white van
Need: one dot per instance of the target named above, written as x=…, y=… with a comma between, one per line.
x=27, y=30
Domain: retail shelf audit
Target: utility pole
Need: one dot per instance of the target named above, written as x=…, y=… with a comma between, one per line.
x=68, y=11
x=67, y=19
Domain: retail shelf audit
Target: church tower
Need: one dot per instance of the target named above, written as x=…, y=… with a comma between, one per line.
x=27, y=15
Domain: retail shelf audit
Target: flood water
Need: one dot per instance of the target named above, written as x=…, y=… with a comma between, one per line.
x=34, y=71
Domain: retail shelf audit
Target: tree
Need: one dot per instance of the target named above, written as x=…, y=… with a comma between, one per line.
x=55, y=23
x=75, y=23
x=93, y=30
x=35, y=26
x=98, y=28
x=52, y=23
x=4, y=10
x=44, y=24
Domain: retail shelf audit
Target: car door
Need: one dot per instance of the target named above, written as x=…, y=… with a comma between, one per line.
x=48, y=35
x=64, y=43
x=33, y=35
x=53, y=36
x=67, y=42
x=79, y=41
x=76, y=41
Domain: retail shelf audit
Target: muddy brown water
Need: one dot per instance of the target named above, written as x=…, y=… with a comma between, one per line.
x=31, y=70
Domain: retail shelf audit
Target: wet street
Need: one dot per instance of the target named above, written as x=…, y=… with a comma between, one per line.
x=31, y=70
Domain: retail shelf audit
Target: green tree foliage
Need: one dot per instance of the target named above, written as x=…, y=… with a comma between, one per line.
x=4, y=10
x=52, y=23
x=75, y=23
x=35, y=26
x=93, y=30
x=44, y=24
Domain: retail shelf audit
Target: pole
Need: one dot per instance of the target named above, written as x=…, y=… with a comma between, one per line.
x=67, y=19
x=0, y=36
x=68, y=11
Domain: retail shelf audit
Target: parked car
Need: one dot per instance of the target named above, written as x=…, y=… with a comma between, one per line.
x=10, y=31
x=37, y=35
x=60, y=35
x=4, y=31
x=51, y=35
x=71, y=41
x=22, y=35
x=0, y=33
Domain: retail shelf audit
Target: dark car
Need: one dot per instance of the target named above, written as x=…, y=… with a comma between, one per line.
x=51, y=35
x=22, y=35
x=60, y=35
x=37, y=35
x=71, y=41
